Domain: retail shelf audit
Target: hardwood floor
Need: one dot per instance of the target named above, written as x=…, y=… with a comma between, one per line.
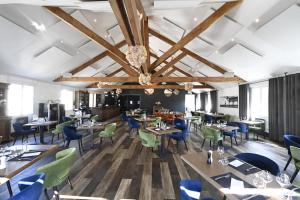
x=121, y=171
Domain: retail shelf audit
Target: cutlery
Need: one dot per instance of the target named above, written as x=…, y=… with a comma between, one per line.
x=225, y=176
x=249, y=169
x=247, y=198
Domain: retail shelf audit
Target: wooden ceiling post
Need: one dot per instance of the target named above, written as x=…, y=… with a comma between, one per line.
x=90, y=34
x=196, y=31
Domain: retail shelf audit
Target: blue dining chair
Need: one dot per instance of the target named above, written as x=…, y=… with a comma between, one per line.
x=21, y=131
x=123, y=117
x=71, y=133
x=208, y=119
x=191, y=190
x=259, y=161
x=290, y=140
x=133, y=124
x=179, y=122
x=232, y=134
x=30, y=188
x=244, y=129
x=180, y=136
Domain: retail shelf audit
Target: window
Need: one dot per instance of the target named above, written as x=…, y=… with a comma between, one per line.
x=92, y=100
x=190, y=102
x=20, y=100
x=259, y=102
x=66, y=97
x=198, y=105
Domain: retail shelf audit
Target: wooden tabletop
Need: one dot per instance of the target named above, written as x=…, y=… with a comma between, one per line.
x=91, y=126
x=15, y=167
x=249, y=122
x=148, y=119
x=47, y=123
x=163, y=132
x=224, y=128
x=198, y=162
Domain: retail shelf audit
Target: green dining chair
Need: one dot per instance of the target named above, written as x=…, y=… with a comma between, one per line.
x=95, y=118
x=212, y=135
x=58, y=171
x=148, y=139
x=295, y=151
x=227, y=118
x=108, y=132
x=196, y=122
x=59, y=130
x=156, y=121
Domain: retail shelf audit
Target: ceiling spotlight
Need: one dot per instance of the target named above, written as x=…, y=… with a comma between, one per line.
x=232, y=39
x=195, y=19
x=61, y=41
x=256, y=20
x=216, y=51
x=95, y=20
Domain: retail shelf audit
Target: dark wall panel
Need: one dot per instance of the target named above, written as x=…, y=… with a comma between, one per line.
x=175, y=103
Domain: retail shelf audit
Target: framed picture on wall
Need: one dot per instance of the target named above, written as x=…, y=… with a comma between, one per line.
x=229, y=101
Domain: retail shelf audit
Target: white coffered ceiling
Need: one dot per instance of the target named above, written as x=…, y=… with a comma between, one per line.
x=257, y=40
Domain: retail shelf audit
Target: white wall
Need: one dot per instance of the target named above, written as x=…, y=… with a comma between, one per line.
x=43, y=91
x=233, y=91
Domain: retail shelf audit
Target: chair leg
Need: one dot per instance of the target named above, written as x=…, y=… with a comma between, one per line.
x=79, y=146
x=52, y=138
x=294, y=175
x=141, y=148
x=177, y=145
x=288, y=162
x=16, y=137
x=209, y=143
x=70, y=183
x=203, y=143
x=100, y=141
x=231, y=141
x=34, y=137
x=58, y=136
x=235, y=141
x=46, y=194
x=185, y=145
x=111, y=140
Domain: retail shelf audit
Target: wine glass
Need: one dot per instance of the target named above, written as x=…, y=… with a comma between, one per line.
x=258, y=181
x=267, y=176
x=283, y=179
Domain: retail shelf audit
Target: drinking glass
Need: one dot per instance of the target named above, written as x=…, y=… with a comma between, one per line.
x=221, y=152
x=267, y=176
x=283, y=179
x=258, y=181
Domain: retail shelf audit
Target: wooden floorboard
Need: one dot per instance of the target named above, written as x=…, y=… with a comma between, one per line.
x=121, y=171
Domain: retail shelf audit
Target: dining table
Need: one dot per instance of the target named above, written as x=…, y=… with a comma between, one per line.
x=90, y=128
x=144, y=120
x=21, y=157
x=231, y=181
x=250, y=123
x=162, y=133
x=41, y=125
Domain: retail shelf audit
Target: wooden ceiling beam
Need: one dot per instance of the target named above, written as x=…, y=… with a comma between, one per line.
x=120, y=14
x=109, y=75
x=153, y=79
x=196, y=31
x=92, y=61
x=141, y=87
x=58, y=12
x=145, y=28
x=170, y=64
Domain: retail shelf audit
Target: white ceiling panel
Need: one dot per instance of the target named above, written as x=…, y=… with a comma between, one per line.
x=201, y=47
x=88, y=71
x=221, y=31
x=284, y=30
x=64, y=32
x=91, y=49
x=52, y=57
x=13, y=37
x=104, y=63
x=115, y=34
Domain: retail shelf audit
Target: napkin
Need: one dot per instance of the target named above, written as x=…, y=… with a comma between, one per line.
x=236, y=184
x=236, y=163
x=190, y=193
x=30, y=154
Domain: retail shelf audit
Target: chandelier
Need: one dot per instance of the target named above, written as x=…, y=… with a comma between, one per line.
x=176, y=92
x=149, y=91
x=136, y=55
x=168, y=92
x=188, y=86
x=118, y=91
x=101, y=84
x=144, y=79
